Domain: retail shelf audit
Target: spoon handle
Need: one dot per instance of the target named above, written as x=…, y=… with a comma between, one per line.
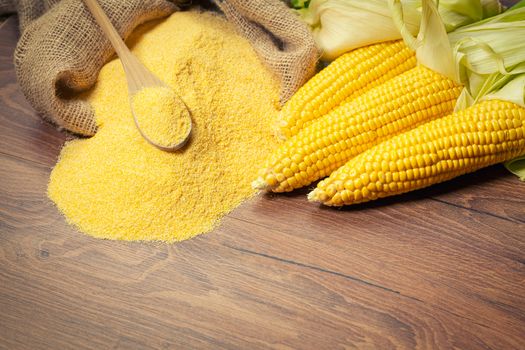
x=137, y=74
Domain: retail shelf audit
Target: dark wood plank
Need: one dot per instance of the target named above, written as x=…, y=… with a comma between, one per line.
x=404, y=247
x=24, y=133
x=493, y=190
x=438, y=268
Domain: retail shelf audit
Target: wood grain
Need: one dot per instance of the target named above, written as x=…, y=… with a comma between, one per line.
x=24, y=133
x=443, y=267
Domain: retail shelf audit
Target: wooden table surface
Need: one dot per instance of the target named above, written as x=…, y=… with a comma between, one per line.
x=442, y=267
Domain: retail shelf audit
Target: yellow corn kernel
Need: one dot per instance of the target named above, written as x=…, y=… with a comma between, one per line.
x=347, y=77
x=449, y=159
x=360, y=124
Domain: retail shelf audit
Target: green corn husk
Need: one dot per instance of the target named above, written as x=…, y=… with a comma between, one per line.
x=517, y=167
x=487, y=57
x=342, y=25
x=491, y=58
x=300, y=4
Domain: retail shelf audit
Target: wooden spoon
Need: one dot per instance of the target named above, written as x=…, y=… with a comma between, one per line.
x=137, y=75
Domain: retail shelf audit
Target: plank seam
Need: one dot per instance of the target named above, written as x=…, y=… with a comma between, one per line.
x=25, y=160
x=7, y=20
x=319, y=269
x=477, y=211
x=358, y=280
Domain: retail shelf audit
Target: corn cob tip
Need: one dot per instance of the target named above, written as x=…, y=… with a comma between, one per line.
x=277, y=132
x=260, y=184
x=320, y=196
x=314, y=196
x=278, y=128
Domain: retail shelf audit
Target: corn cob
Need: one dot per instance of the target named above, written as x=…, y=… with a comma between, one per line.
x=484, y=134
x=344, y=79
x=400, y=104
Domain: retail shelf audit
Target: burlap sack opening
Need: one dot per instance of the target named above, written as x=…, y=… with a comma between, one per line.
x=61, y=48
x=283, y=42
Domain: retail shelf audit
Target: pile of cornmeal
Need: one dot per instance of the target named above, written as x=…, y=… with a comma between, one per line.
x=116, y=185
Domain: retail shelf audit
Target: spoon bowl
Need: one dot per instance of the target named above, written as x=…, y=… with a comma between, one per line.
x=162, y=116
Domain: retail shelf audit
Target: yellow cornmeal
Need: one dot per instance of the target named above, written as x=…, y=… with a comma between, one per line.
x=161, y=115
x=115, y=185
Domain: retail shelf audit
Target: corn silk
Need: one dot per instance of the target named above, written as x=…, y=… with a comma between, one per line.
x=115, y=185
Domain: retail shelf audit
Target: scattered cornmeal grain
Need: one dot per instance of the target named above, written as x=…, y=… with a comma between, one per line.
x=117, y=186
x=161, y=116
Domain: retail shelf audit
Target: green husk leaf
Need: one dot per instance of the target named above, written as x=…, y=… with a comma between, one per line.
x=432, y=45
x=339, y=26
x=513, y=91
x=300, y=4
x=434, y=51
x=491, y=8
x=396, y=9
x=489, y=59
x=517, y=167
x=489, y=55
x=518, y=5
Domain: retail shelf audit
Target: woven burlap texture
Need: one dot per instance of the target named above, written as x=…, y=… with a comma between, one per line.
x=279, y=37
x=62, y=49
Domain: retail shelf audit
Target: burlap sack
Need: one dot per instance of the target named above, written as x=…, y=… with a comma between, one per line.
x=62, y=49
x=284, y=42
